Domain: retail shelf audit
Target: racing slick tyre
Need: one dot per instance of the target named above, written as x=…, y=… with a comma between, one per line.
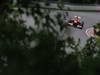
x=82, y=24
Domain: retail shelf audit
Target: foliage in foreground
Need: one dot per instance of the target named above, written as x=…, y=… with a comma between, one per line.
x=34, y=51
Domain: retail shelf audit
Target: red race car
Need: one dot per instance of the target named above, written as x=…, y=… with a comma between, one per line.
x=76, y=22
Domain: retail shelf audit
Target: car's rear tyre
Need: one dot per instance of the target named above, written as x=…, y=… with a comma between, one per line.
x=82, y=23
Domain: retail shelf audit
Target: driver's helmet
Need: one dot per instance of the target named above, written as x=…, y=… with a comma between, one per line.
x=77, y=17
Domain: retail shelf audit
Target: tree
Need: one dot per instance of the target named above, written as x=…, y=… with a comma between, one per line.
x=18, y=56
x=34, y=51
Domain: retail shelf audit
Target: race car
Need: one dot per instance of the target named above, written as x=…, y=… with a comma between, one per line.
x=75, y=22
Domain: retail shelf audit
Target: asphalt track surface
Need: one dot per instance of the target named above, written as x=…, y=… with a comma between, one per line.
x=89, y=18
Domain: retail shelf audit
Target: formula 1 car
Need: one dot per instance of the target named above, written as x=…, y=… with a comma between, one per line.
x=75, y=22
